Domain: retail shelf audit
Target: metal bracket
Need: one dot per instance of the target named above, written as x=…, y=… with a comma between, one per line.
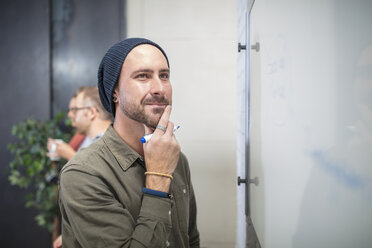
x=241, y=181
x=255, y=181
x=241, y=47
x=256, y=47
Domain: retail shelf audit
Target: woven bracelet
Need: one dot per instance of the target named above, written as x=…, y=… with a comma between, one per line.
x=159, y=174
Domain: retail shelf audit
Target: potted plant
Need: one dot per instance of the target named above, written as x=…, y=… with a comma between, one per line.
x=31, y=169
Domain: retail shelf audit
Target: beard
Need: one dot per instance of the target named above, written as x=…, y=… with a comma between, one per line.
x=138, y=113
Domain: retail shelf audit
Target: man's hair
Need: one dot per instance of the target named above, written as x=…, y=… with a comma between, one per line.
x=91, y=93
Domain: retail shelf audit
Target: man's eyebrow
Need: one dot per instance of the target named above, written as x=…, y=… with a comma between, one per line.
x=141, y=70
x=149, y=71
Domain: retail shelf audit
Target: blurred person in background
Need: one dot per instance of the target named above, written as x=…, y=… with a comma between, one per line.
x=90, y=119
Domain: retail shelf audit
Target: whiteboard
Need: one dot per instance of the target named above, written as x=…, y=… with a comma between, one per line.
x=311, y=123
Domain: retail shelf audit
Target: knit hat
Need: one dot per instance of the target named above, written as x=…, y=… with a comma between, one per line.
x=110, y=67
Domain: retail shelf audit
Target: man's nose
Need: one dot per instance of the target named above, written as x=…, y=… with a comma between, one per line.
x=157, y=86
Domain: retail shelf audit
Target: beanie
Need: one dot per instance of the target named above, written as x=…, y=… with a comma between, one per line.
x=110, y=68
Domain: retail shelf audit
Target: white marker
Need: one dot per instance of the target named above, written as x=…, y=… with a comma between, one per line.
x=147, y=137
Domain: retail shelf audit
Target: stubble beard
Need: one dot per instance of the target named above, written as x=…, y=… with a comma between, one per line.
x=137, y=112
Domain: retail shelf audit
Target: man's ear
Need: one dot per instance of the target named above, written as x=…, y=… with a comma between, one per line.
x=115, y=94
x=93, y=113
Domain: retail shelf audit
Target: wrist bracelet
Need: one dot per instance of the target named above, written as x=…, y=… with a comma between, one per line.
x=155, y=193
x=159, y=174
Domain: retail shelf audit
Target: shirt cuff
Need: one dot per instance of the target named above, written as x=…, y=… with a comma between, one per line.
x=159, y=208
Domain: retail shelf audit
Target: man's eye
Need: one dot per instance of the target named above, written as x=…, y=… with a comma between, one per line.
x=164, y=76
x=142, y=76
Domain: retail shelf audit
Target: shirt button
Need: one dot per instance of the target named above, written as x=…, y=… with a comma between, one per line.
x=167, y=243
x=184, y=191
x=170, y=212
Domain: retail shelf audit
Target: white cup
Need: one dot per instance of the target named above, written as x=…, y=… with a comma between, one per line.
x=53, y=148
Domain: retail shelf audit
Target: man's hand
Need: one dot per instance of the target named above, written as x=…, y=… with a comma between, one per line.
x=62, y=149
x=161, y=153
x=58, y=242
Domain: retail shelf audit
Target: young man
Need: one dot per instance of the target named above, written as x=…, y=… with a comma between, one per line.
x=88, y=117
x=119, y=192
x=90, y=120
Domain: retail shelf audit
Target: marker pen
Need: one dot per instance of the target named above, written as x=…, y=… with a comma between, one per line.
x=147, y=137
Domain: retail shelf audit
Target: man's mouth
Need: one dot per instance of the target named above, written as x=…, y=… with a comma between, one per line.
x=157, y=108
x=156, y=101
x=155, y=104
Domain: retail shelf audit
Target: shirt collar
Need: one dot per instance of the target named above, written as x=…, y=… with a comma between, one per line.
x=98, y=136
x=124, y=155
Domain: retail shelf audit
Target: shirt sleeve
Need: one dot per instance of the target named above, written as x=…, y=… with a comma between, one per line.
x=92, y=217
x=194, y=237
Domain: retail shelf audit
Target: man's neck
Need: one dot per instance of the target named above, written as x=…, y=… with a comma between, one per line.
x=97, y=127
x=130, y=131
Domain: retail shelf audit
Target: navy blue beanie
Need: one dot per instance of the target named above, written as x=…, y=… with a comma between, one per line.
x=110, y=67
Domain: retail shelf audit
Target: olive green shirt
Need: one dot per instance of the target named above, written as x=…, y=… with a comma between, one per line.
x=102, y=204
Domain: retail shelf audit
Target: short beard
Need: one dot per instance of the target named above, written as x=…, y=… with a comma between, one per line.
x=137, y=113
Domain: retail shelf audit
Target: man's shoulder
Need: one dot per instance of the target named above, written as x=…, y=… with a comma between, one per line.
x=182, y=169
x=90, y=159
x=183, y=159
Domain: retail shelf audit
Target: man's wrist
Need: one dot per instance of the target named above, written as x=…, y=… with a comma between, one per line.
x=158, y=183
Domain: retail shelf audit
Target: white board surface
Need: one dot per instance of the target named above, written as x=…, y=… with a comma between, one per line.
x=311, y=123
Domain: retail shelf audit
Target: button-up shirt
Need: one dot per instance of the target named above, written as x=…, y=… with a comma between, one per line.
x=102, y=204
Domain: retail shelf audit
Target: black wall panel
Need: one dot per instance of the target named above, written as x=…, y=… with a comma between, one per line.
x=24, y=92
x=48, y=48
x=83, y=30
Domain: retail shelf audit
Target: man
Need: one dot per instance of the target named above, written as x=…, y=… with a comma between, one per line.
x=78, y=138
x=88, y=117
x=90, y=120
x=119, y=192
x=74, y=143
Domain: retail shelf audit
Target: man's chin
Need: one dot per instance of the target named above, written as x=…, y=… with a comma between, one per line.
x=152, y=121
x=157, y=109
x=80, y=132
x=152, y=124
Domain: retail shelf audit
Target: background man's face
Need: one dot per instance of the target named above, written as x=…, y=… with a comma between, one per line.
x=71, y=113
x=82, y=120
x=144, y=89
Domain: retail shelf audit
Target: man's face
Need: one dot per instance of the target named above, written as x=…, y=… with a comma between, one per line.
x=144, y=89
x=71, y=113
x=82, y=116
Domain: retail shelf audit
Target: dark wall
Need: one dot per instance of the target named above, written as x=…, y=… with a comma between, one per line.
x=83, y=30
x=42, y=61
x=24, y=92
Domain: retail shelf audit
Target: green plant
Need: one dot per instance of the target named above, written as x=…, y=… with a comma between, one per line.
x=31, y=169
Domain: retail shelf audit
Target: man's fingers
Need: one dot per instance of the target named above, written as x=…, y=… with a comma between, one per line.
x=169, y=129
x=163, y=122
x=165, y=117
